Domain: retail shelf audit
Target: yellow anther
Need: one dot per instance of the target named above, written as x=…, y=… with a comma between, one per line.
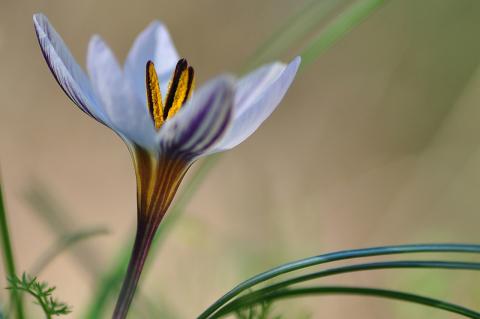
x=191, y=83
x=179, y=91
x=154, y=96
x=180, y=88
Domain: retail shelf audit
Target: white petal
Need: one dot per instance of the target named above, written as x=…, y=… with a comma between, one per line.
x=253, y=85
x=128, y=115
x=267, y=86
x=201, y=122
x=65, y=69
x=153, y=44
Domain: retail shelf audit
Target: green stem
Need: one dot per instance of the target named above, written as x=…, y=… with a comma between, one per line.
x=335, y=256
x=383, y=293
x=40, y=301
x=113, y=278
x=42, y=304
x=143, y=241
x=8, y=259
x=44, y=307
x=405, y=264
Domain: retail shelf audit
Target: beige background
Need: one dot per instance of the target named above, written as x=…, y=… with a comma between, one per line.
x=376, y=143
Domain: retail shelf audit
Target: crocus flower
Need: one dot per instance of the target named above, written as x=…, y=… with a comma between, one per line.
x=165, y=134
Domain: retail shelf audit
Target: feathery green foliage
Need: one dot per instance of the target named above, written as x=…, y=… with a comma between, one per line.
x=261, y=310
x=42, y=293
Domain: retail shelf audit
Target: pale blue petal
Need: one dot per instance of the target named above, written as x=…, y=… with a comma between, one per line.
x=252, y=86
x=267, y=86
x=66, y=70
x=128, y=115
x=201, y=123
x=153, y=44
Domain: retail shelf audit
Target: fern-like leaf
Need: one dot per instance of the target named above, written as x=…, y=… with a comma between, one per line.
x=42, y=292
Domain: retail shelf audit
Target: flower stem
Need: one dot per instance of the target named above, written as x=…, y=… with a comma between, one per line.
x=143, y=240
x=9, y=261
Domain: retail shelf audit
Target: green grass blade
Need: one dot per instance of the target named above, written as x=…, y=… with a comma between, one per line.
x=293, y=30
x=406, y=264
x=8, y=259
x=338, y=28
x=336, y=256
x=63, y=244
x=361, y=291
x=60, y=222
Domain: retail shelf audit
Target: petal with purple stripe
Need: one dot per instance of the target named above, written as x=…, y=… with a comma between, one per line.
x=201, y=123
x=66, y=70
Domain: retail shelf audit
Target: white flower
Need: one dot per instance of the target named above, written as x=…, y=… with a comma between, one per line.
x=165, y=135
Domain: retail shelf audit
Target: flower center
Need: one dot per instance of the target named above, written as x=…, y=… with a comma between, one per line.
x=179, y=90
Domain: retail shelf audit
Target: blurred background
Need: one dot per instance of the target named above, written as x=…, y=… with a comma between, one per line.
x=377, y=142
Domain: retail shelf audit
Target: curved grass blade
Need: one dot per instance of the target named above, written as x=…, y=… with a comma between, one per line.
x=294, y=29
x=405, y=264
x=8, y=259
x=343, y=24
x=361, y=291
x=63, y=244
x=335, y=256
x=59, y=220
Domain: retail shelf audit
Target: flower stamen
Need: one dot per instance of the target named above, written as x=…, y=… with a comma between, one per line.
x=179, y=91
x=154, y=96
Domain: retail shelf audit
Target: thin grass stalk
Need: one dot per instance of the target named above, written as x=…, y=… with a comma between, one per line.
x=336, y=256
x=405, y=264
x=8, y=259
x=361, y=291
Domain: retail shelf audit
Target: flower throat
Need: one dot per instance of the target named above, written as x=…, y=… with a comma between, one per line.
x=179, y=91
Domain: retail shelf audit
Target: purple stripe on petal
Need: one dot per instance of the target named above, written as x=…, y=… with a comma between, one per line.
x=65, y=69
x=221, y=115
x=219, y=111
x=67, y=89
x=217, y=136
x=202, y=121
x=196, y=122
